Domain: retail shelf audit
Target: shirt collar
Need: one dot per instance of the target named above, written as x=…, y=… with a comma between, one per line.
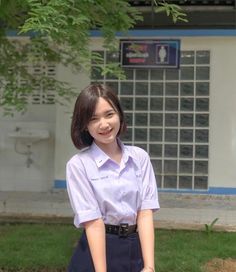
x=98, y=155
x=128, y=154
x=101, y=157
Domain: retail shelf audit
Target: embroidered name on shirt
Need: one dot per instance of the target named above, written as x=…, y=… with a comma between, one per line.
x=104, y=177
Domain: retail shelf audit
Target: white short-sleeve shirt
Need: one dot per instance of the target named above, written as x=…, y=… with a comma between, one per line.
x=98, y=187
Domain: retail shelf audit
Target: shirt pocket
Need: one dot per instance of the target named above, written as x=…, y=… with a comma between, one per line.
x=138, y=177
x=138, y=174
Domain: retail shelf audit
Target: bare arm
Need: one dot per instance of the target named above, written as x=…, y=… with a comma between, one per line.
x=146, y=235
x=95, y=231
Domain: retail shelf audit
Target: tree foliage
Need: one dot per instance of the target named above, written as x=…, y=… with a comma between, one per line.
x=58, y=31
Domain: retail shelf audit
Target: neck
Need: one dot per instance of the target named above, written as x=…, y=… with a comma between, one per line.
x=113, y=150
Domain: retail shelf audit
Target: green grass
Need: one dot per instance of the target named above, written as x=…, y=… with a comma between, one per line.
x=187, y=251
x=36, y=246
x=48, y=247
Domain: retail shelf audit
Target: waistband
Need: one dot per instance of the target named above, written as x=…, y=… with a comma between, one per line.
x=123, y=230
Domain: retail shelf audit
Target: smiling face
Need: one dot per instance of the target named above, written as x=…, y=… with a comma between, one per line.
x=91, y=103
x=104, y=124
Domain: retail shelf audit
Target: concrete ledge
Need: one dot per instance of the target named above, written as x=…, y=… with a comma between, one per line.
x=158, y=224
x=171, y=225
x=178, y=211
x=31, y=219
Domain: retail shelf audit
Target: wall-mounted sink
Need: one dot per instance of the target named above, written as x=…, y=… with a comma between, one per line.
x=29, y=135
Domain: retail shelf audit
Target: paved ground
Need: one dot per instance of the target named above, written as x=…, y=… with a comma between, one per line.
x=185, y=211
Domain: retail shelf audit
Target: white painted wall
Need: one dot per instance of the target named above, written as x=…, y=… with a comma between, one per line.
x=64, y=148
x=222, y=114
x=14, y=173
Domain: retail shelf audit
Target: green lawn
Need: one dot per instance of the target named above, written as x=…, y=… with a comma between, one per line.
x=48, y=247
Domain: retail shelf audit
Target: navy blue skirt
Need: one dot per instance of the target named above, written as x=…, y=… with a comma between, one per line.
x=123, y=254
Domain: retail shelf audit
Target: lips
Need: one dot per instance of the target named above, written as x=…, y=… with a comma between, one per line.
x=107, y=132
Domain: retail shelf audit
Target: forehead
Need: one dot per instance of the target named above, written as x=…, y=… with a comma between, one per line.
x=102, y=106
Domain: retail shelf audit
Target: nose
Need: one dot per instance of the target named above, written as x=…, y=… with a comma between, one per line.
x=103, y=124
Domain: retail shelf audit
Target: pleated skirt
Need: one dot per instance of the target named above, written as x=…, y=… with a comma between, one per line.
x=122, y=254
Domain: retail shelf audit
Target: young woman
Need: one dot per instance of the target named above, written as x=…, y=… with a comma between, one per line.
x=112, y=189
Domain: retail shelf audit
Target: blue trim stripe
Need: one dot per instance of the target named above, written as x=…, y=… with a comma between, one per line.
x=153, y=33
x=222, y=191
x=170, y=33
x=14, y=33
x=210, y=191
x=61, y=184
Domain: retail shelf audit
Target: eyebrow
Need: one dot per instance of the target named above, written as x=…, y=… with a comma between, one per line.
x=106, y=112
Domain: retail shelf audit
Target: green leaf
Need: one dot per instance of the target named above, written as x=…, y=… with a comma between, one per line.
x=61, y=36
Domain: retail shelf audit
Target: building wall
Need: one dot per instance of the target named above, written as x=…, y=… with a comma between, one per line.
x=50, y=156
x=15, y=174
x=222, y=153
x=63, y=145
x=223, y=112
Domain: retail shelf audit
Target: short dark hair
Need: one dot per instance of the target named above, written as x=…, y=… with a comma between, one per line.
x=84, y=110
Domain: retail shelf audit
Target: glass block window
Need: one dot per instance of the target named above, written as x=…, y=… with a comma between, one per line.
x=167, y=113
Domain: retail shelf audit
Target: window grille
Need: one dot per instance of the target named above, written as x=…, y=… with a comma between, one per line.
x=41, y=94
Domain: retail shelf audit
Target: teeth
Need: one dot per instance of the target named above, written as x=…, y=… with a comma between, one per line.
x=106, y=132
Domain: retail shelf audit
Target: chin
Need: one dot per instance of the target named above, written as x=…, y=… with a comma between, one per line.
x=108, y=141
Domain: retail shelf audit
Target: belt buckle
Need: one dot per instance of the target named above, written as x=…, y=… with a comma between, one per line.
x=123, y=230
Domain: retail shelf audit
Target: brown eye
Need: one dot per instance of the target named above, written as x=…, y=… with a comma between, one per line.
x=93, y=119
x=110, y=114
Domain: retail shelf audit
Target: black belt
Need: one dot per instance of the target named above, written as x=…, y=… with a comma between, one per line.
x=123, y=230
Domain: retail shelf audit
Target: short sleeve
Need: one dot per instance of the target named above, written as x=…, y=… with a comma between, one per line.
x=80, y=193
x=149, y=185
